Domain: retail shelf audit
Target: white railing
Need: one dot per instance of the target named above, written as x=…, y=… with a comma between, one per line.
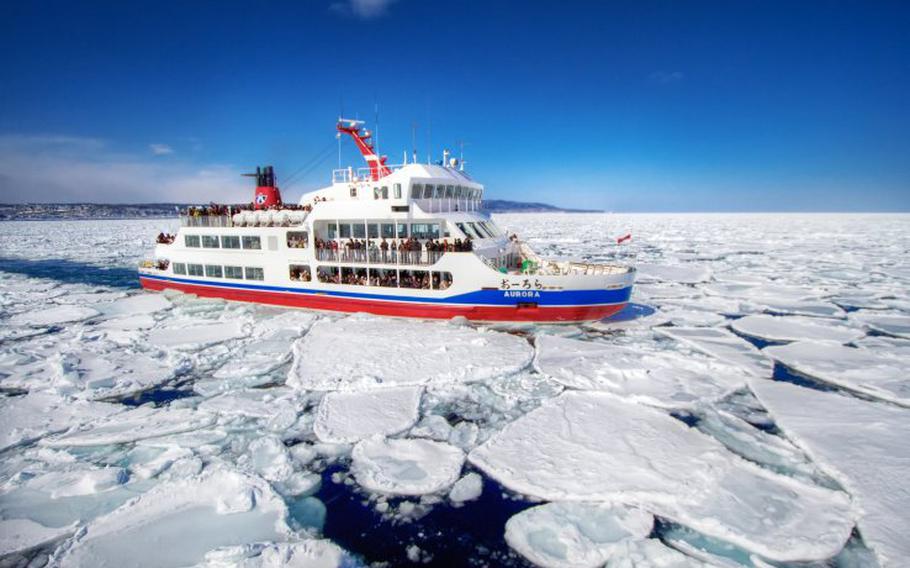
x=451, y=205
x=375, y=255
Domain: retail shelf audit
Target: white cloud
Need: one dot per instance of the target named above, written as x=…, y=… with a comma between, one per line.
x=72, y=169
x=161, y=149
x=667, y=77
x=363, y=9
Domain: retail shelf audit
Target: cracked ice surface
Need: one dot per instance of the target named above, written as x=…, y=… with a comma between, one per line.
x=586, y=446
x=796, y=328
x=387, y=352
x=865, y=446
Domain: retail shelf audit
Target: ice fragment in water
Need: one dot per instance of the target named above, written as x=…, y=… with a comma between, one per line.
x=345, y=417
x=405, y=467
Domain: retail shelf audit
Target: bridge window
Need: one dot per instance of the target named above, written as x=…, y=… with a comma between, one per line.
x=450, y=191
x=194, y=269
x=179, y=268
x=191, y=241
x=440, y=191
x=416, y=190
x=253, y=273
x=209, y=241
x=300, y=272
x=396, y=191
x=457, y=192
x=230, y=242
x=252, y=243
x=428, y=191
x=213, y=270
x=297, y=239
x=234, y=272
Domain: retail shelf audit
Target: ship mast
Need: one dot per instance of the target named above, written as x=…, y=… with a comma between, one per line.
x=378, y=169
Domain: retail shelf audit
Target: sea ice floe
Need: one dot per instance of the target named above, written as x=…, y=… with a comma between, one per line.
x=192, y=337
x=891, y=324
x=385, y=353
x=178, y=522
x=345, y=417
x=20, y=535
x=268, y=457
x=650, y=553
x=468, y=488
x=653, y=377
x=865, y=446
x=35, y=415
x=588, y=446
x=130, y=426
x=405, y=467
x=575, y=534
x=861, y=370
x=805, y=308
x=725, y=346
x=795, y=328
x=689, y=273
x=53, y=316
x=137, y=304
x=311, y=553
x=259, y=357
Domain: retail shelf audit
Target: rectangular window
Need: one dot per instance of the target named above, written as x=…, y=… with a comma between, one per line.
x=416, y=190
x=450, y=191
x=235, y=272
x=252, y=243
x=387, y=231
x=332, y=231
x=402, y=230
x=345, y=231
x=420, y=230
x=297, y=239
x=299, y=272
x=440, y=191
x=385, y=192
x=360, y=230
x=428, y=191
x=179, y=268
x=253, y=273
x=191, y=241
x=213, y=270
x=194, y=269
x=373, y=231
x=396, y=191
x=376, y=193
x=209, y=241
x=457, y=192
x=230, y=242
x=353, y=191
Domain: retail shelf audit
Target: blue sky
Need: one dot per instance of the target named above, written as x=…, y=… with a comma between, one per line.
x=624, y=106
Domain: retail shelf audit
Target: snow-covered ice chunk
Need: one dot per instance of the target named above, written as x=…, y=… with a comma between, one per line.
x=468, y=488
x=575, y=534
x=890, y=324
x=864, y=444
x=725, y=346
x=268, y=456
x=79, y=481
x=860, y=370
x=35, y=415
x=682, y=273
x=137, y=424
x=195, y=336
x=589, y=446
x=805, y=308
x=345, y=417
x=405, y=467
x=177, y=523
x=385, y=353
x=258, y=357
x=137, y=304
x=20, y=535
x=311, y=553
x=650, y=553
x=53, y=316
x=659, y=378
x=795, y=328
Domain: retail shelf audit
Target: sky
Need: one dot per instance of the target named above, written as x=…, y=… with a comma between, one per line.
x=620, y=106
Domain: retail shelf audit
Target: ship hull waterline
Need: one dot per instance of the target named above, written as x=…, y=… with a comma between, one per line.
x=317, y=300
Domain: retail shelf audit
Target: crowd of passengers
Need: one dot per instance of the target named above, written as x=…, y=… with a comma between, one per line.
x=389, y=250
x=384, y=278
x=219, y=210
x=300, y=273
x=165, y=238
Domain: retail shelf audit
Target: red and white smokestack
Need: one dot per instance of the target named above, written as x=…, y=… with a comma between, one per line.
x=267, y=193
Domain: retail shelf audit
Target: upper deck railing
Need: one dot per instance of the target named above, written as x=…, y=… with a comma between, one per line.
x=354, y=175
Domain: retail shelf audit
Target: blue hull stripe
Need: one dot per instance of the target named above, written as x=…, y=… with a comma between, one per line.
x=478, y=298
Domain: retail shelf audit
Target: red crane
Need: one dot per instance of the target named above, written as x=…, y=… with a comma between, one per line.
x=378, y=169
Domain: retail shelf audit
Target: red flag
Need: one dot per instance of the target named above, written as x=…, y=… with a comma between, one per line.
x=624, y=238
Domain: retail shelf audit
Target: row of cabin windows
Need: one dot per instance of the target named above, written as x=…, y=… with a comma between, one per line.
x=226, y=241
x=478, y=229
x=387, y=278
x=382, y=192
x=440, y=191
x=383, y=231
x=219, y=271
